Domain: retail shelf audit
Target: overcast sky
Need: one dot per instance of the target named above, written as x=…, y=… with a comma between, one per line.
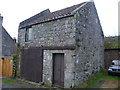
x=15, y=11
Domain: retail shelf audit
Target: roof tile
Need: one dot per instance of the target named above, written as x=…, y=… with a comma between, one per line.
x=47, y=15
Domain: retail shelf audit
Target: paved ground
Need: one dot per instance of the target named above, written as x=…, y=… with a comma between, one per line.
x=101, y=84
x=108, y=84
x=21, y=86
x=14, y=85
x=111, y=84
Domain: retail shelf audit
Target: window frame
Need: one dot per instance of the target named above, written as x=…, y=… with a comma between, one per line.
x=27, y=34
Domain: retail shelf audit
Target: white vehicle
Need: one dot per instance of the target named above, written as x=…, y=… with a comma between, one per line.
x=114, y=69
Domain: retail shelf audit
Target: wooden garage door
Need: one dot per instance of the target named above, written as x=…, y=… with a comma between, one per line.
x=32, y=64
x=58, y=69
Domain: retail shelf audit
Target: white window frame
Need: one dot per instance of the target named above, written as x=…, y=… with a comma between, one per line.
x=29, y=34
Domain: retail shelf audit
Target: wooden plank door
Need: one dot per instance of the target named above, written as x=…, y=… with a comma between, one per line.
x=58, y=69
x=1, y=67
x=31, y=64
x=6, y=67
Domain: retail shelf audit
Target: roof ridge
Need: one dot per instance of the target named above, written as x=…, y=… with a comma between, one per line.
x=47, y=15
x=35, y=16
x=70, y=7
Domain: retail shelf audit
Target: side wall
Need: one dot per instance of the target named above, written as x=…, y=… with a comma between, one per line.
x=89, y=43
x=8, y=44
x=0, y=41
x=59, y=32
x=1, y=18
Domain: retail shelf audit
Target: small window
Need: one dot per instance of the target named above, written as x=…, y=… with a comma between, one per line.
x=28, y=34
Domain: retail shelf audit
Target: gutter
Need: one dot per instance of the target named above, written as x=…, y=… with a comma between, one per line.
x=49, y=20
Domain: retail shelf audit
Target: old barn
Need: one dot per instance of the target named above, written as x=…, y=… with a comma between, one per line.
x=63, y=47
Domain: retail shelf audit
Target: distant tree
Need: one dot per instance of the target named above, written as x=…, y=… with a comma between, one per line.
x=112, y=42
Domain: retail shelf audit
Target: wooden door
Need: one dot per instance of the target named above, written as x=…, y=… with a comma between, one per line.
x=31, y=64
x=1, y=67
x=6, y=67
x=58, y=69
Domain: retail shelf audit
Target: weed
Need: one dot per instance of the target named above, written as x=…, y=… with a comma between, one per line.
x=96, y=78
x=8, y=81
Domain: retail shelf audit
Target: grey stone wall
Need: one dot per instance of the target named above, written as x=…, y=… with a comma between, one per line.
x=8, y=44
x=0, y=41
x=83, y=30
x=69, y=67
x=55, y=33
x=21, y=36
x=89, y=43
x=1, y=18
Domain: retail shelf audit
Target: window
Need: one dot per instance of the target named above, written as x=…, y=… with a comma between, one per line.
x=28, y=34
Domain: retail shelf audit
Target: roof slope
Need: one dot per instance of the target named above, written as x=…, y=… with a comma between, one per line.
x=46, y=15
x=4, y=30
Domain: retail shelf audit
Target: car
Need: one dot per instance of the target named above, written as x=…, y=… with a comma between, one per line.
x=114, y=69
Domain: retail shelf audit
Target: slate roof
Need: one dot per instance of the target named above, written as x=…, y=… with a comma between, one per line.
x=46, y=15
x=7, y=33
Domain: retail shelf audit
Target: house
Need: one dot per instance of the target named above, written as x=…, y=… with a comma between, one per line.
x=7, y=44
x=63, y=47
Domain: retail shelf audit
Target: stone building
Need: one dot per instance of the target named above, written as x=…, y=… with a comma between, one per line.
x=63, y=47
x=7, y=44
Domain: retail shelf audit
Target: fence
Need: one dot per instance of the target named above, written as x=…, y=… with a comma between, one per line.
x=111, y=54
x=6, y=67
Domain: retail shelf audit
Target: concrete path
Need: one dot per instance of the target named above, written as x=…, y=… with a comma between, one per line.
x=98, y=85
x=15, y=85
x=108, y=84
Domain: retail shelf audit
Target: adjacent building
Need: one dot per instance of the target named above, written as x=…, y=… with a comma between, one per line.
x=7, y=44
x=63, y=47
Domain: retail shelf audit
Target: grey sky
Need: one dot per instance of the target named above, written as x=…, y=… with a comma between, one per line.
x=15, y=11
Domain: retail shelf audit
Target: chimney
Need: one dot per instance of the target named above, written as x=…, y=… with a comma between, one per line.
x=1, y=19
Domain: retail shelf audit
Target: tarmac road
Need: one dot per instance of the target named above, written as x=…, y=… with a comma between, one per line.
x=16, y=85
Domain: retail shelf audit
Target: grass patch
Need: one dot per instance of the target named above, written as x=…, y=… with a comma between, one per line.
x=9, y=81
x=13, y=81
x=112, y=43
x=94, y=79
